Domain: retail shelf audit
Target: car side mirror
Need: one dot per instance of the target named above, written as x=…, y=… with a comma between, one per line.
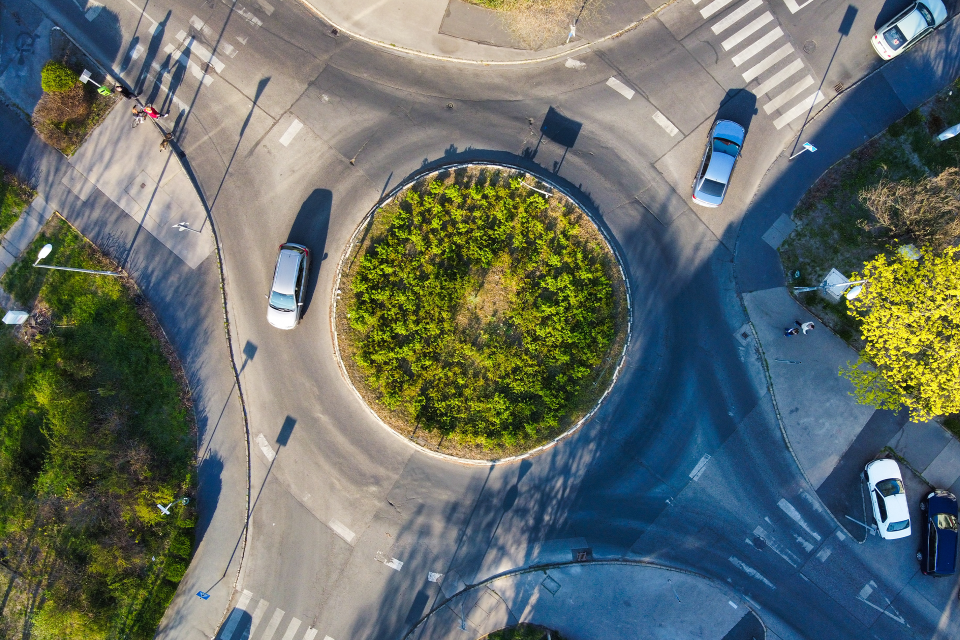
x=299, y=304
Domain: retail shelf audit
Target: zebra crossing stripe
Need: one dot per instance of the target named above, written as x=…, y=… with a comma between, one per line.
x=714, y=7
x=767, y=62
x=292, y=629
x=778, y=77
x=757, y=46
x=310, y=634
x=746, y=31
x=272, y=627
x=734, y=16
x=258, y=616
x=236, y=615
x=788, y=95
x=804, y=105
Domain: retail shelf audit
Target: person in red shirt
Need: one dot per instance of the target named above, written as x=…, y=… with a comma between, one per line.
x=153, y=113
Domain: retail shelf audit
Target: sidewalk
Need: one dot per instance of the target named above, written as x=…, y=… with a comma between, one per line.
x=594, y=601
x=457, y=30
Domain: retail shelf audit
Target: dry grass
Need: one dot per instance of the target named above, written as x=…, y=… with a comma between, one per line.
x=542, y=23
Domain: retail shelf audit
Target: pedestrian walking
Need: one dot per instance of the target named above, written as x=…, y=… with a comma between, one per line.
x=807, y=326
x=122, y=91
x=153, y=113
x=791, y=331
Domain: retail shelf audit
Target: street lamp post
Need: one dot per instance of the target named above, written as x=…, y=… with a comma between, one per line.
x=45, y=251
x=166, y=509
x=823, y=286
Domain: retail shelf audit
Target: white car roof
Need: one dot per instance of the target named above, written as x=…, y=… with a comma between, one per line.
x=286, y=274
x=912, y=24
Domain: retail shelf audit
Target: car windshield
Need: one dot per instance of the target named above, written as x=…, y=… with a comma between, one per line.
x=894, y=38
x=890, y=487
x=898, y=526
x=712, y=187
x=946, y=521
x=926, y=14
x=726, y=146
x=282, y=301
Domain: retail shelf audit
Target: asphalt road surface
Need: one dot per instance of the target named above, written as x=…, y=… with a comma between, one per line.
x=294, y=133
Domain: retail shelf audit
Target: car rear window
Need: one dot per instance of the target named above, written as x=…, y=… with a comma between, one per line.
x=898, y=526
x=926, y=14
x=946, y=521
x=890, y=487
x=712, y=187
x=894, y=38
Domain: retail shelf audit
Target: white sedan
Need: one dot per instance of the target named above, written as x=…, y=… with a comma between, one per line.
x=889, y=499
x=912, y=24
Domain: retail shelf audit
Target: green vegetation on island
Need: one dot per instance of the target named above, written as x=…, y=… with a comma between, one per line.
x=95, y=429
x=524, y=631
x=482, y=312
x=15, y=197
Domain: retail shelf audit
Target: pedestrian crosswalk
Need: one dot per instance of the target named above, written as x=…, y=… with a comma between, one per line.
x=759, y=50
x=242, y=625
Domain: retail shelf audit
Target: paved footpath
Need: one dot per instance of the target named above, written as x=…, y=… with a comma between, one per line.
x=595, y=601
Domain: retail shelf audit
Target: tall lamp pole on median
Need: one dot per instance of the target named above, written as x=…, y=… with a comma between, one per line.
x=45, y=251
x=823, y=286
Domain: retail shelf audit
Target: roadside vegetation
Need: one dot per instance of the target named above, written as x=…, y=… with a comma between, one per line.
x=482, y=314
x=96, y=429
x=15, y=197
x=542, y=23
x=524, y=631
x=897, y=196
x=68, y=109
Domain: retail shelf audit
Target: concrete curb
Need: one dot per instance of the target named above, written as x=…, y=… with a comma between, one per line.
x=433, y=56
x=346, y=252
x=721, y=586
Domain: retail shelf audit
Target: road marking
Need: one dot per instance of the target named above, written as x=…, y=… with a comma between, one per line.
x=258, y=616
x=393, y=563
x=266, y=448
x=803, y=543
x=620, y=88
x=788, y=95
x=733, y=604
x=767, y=62
x=869, y=588
x=757, y=46
x=698, y=470
x=750, y=571
x=824, y=554
x=840, y=535
x=236, y=614
x=292, y=130
x=310, y=634
x=341, y=530
x=713, y=7
x=266, y=6
x=795, y=515
x=778, y=77
x=746, y=31
x=292, y=629
x=180, y=58
x=434, y=577
x=804, y=106
x=776, y=547
x=248, y=16
x=135, y=51
x=202, y=52
x=731, y=18
x=94, y=10
x=661, y=120
x=794, y=7
x=272, y=627
x=575, y=64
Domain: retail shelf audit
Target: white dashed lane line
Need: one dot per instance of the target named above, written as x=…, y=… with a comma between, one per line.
x=668, y=126
x=621, y=88
x=266, y=448
x=292, y=131
x=341, y=530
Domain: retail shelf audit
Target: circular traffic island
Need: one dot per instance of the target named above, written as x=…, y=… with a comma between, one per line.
x=480, y=313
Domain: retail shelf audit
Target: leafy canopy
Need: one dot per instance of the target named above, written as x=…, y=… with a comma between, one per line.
x=910, y=311
x=480, y=312
x=56, y=76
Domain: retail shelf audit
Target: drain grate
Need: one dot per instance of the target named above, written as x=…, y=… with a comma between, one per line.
x=838, y=87
x=582, y=555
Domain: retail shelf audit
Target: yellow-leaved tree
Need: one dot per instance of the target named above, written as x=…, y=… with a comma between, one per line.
x=910, y=311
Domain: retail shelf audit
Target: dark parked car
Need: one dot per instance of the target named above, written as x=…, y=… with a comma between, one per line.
x=938, y=547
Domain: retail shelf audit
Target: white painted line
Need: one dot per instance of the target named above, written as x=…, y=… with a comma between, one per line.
x=236, y=615
x=813, y=502
x=661, y=120
x=266, y=448
x=620, y=88
x=266, y=6
x=803, y=542
x=732, y=604
x=327, y=638
x=801, y=109
x=697, y=470
x=767, y=62
x=757, y=46
x=731, y=18
x=695, y=1
x=394, y=564
x=136, y=52
x=746, y=31
x=341, y=530
x=778, y=77
x=794, y=7
x=791, y=559
x=824, y=554
x=228, y=49
x=94, y=10
x=750, y=571
x=714, y=7
x=788, y=95
x=292, y=130
x=197, y=23
x=310, y=634
x=434, y=577
x=202, y=52
x=272, y=627
x=575, y=64
x=795, y=515
x=180, y=58
x=248, y=16
x=258, y=616
x=292, y=629
x=840, y=535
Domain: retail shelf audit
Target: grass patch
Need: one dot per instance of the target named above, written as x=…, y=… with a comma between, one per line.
x=524, y=631
x=15, y=197
x=480, y=314
x=95, y=429
x=537, y=24
x=831, y=219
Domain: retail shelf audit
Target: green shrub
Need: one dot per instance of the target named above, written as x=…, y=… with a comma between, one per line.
x=57, y=76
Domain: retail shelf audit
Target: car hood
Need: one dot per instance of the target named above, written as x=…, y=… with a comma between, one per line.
x=729, y=131
x=281, y=319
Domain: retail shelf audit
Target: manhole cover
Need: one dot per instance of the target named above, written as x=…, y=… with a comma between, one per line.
x=809, y=46
x=760, y=543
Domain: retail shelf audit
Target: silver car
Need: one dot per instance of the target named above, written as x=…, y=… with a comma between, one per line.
x=289, y=285
x=719, y=159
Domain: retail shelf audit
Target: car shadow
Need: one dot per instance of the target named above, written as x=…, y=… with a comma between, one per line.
x=310, y=229
x=739, y=106
x=889, y=11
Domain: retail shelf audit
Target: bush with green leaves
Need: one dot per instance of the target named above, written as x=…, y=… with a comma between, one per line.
x=483, y=312
x=56, y=76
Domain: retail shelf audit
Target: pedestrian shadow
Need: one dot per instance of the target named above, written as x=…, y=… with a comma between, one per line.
x=151, y=54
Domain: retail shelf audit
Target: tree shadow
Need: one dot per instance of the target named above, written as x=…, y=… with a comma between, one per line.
x=310, y=229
